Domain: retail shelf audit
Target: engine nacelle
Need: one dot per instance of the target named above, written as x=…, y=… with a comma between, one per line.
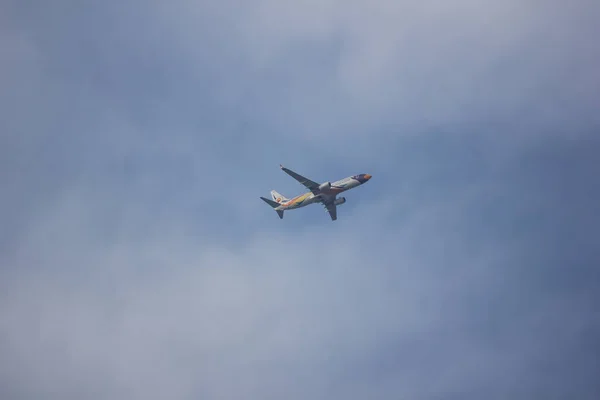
x=339, y=201
x=325, y=186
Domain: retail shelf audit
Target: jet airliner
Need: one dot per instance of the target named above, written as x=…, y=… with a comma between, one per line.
x=324, y=193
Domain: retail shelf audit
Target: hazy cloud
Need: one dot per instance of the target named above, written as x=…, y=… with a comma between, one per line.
x=136, y=260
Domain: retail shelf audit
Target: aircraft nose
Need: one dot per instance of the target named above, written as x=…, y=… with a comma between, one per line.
x=363, y=178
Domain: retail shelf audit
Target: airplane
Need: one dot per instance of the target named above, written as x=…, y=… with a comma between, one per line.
x=324, y=193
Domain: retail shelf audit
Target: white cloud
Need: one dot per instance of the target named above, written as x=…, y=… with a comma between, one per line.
x=105, y=301
x=114, y=287
x=354, y=69
x=155, y=313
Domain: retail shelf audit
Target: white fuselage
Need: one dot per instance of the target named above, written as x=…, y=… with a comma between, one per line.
x=327, y=192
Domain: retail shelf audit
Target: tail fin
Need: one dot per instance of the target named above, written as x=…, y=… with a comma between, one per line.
x=278, y=197
x=274, y=204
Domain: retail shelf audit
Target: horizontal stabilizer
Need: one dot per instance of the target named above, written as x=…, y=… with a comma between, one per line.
x=274, y=205
x=270, y=202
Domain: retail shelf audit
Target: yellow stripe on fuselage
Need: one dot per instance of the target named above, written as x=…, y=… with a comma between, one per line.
x=297, y=200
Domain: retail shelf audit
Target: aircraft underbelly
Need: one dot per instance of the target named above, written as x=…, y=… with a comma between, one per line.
x=325, y=193
x=333, y=191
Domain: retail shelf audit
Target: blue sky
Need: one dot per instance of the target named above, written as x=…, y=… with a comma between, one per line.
x=137, y=260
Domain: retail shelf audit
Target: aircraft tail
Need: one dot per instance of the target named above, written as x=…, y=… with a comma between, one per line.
x=278, y=197
x=274, y=204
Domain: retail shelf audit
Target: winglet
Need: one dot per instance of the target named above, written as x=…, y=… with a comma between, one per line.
x=281, y=166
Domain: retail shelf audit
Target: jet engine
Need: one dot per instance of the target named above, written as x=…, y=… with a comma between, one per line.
x=339, y=201
x=325, y=186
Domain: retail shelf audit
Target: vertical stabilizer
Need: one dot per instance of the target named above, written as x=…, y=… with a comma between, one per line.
x=278, y=197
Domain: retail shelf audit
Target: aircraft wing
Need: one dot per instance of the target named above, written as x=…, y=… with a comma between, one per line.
x=332, y=210
x=313, y=186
